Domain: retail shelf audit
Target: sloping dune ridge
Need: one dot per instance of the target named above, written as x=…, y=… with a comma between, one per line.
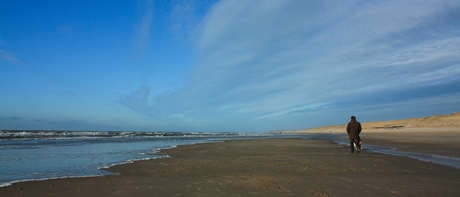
x=437, y=121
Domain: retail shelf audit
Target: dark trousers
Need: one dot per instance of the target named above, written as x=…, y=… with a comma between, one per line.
x=358, y=145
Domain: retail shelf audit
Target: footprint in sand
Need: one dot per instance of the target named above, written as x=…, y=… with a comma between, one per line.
x=394, y=192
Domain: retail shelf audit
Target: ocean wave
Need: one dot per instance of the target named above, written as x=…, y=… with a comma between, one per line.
x=60, y=135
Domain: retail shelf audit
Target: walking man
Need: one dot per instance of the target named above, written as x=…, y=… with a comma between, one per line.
x=353, y=130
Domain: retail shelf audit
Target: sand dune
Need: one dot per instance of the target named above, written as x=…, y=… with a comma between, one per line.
x=451, y=121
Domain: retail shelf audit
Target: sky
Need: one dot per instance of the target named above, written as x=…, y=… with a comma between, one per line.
x=225, y=66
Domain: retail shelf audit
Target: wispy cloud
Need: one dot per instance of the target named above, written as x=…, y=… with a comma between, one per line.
x=138, y=100
x=266, y=59
x=144, y=28
x=10, y=57
x=11, y=118
x=183, y=18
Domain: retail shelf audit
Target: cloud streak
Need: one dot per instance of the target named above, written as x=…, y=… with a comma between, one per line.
x=10, y=57
x=262, y=60
x=144, y=28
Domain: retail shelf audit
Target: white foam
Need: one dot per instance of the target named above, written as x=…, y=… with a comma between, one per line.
x=44, y=179
x=132, y=161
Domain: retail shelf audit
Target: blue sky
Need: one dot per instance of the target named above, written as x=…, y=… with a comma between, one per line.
x=230, y=65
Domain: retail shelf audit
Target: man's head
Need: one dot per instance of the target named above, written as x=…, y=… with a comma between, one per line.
x=353, y=117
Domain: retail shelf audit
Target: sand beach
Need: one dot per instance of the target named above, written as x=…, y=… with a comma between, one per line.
x=283, y=167
x=439, y=134
x=260, y=167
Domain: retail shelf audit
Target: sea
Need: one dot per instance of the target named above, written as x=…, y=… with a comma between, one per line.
x=41, y=155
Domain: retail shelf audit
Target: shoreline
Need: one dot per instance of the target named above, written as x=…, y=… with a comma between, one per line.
x=438, y=141
x=258, y=167
x=334, y=130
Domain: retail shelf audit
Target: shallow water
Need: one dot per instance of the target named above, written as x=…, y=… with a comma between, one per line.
x=438, y=159
x=39, y=155
x=74, y=159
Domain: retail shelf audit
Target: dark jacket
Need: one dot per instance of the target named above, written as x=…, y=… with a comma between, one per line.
x=353, y=130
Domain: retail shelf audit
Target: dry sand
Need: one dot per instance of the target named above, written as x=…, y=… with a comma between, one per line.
x=262, y=167
x=433, y=123
x=439, y=134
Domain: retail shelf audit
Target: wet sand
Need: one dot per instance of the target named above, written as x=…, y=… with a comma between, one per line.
x=431, y=141
x=262, y=167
